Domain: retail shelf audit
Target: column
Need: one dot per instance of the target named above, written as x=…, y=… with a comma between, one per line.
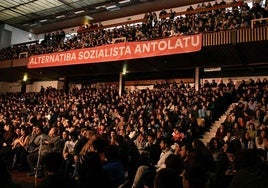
x=196, y=79
x=66, y=85
x=23, y=87
x=121, y=83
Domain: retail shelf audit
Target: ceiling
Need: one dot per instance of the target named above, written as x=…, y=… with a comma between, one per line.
x=41, y=16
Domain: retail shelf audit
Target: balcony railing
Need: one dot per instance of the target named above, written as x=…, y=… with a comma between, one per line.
x=209, y=39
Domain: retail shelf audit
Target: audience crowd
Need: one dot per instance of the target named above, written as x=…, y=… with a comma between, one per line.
x=94, y=137
x=153, y=27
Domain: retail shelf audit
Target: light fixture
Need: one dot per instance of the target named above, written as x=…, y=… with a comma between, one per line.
x=112, y=7
x=25, y=77
x=79, y=11
x=124, y=1
x=124, y=72
x=89, y=17
x=60, y=16
x=99, y=7
x=44, y=20
x=212, y=69
x=34, y=24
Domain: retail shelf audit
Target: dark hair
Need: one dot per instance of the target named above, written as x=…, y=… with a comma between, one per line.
x=166, y=140
x=196, y=176
x=74, y=135
x=167, y=178
x=99, y=145
x=248, y=159
x=40, y=127
x=174, y=162
x=111, y=152
x=151, y=134
x=25, y=129
x=52, y=161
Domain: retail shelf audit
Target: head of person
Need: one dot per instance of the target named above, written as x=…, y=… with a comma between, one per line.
x=52, y=162
x=175, y=163
x=265, y=140
x=194, y=177
x=151, y=137
x=165, y=143
x=53, y=132
x=184, y=150
x=38, y=129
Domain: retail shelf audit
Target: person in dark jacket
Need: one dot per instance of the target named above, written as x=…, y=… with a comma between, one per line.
x=55, y=175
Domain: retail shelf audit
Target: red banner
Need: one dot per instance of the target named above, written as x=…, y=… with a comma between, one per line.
x=119, y=51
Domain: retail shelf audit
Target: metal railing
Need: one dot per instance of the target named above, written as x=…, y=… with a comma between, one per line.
x=257, y=20
x=236, y=36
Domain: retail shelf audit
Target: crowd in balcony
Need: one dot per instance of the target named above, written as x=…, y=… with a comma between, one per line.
x=94, y=137
x=166, y=24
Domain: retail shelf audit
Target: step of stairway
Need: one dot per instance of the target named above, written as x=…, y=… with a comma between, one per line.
x=214, y=127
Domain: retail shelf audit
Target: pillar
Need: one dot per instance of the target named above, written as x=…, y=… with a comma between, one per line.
x=66, y=85
x=197, y=79
x=23, y=87
x=121, y=83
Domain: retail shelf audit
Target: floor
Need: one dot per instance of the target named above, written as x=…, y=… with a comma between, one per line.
x=25, y=181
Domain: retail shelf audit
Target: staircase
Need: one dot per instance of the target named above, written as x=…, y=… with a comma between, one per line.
x=212, y=132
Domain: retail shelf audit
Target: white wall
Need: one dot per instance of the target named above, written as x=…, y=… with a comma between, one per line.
x=20, y=36
x=8, y=87
x=60, y=85
x=36, y=86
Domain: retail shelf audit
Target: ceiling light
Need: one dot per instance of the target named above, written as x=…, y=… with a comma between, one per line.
x=60, y=16
x=112, y=7
x=44, y=20
x=89, y=17
x=79, y=12
x=99, y=7
x=124, y=1
x=25, y=77
x=34, y=24
x=212, y=69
